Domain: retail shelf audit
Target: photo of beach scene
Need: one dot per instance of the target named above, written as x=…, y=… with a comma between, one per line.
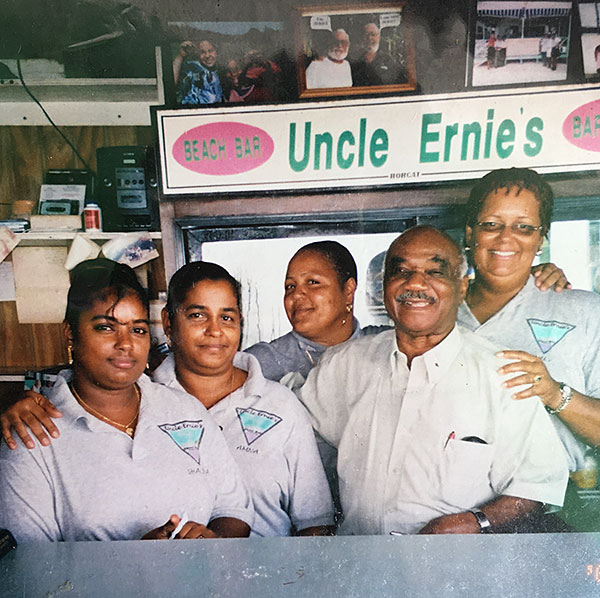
x=518, y=41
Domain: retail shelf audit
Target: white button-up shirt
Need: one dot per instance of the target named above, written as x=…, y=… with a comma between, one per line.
x=439, y=438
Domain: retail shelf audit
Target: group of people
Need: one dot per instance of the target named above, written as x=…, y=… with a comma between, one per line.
x=200, y=80
x=466, y=416
x=550, y=48
x=330, y=66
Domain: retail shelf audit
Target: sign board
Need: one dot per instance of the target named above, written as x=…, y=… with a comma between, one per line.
x=378, y=141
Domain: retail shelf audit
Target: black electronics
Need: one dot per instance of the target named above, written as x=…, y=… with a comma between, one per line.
x=127, y=190
x=71, y=176
x=63, y=207
x=7, y=542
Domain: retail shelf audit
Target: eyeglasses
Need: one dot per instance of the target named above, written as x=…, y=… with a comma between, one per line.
x=517, y=228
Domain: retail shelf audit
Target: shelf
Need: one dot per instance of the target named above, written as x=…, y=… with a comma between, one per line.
x=60, y=239
x=81, y=102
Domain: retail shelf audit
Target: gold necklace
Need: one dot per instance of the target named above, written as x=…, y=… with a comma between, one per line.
x=127, y=428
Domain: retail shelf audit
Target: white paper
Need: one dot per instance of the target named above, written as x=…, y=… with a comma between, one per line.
x=82, y=249
x=41, y=284
x=7, y=282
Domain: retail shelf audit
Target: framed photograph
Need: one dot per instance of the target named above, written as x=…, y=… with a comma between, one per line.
x=209, y=63
x=520, y=42
x=366, y=49
x=589, y=14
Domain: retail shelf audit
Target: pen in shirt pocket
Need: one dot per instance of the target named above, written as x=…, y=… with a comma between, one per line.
x=451, y=436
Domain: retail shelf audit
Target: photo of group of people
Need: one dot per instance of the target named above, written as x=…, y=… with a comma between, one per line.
x=230, y=62
x=518, y=41
x=354, y=50
x=320, y=52
x=368, y=49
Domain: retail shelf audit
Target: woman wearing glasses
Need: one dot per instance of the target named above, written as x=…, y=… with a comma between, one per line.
x=554, y=338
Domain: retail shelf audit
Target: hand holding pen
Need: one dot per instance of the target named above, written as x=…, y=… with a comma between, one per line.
x=179, y=528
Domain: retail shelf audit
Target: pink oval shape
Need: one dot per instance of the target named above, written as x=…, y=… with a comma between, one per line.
x=223, y=148
x=582, y=126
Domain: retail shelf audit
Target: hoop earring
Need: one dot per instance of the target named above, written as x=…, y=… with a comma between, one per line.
x=70, y=354
x=538, y=252
x=349, y=307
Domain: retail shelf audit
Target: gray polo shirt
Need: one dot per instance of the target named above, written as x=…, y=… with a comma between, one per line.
x=563, y=329
x=292, y=352
x=97, y=483
x=271, y=438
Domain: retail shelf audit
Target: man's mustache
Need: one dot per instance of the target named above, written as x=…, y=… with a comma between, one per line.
x=412, y=295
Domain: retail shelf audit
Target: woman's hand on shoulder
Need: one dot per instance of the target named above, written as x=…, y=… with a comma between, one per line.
x=548, y=276
x=32, y=413
x=530, y=370
x=190, y=531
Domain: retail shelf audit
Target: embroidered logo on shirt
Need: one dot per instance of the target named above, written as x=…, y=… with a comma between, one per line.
x=548, y=333
x=187, y=436
x=256, y=423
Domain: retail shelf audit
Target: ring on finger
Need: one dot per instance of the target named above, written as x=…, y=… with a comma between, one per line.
x=537, y=379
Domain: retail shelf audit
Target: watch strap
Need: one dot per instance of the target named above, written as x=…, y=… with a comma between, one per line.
x=566, y=394
x=484, y=523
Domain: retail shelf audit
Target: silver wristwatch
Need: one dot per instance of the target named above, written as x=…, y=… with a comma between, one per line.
x=566, y=393
x=484, y=522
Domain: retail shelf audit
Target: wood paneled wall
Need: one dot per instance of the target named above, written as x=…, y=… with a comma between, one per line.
x=25, y=153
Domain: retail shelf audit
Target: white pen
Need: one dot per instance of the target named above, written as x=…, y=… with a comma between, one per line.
x=184, y=520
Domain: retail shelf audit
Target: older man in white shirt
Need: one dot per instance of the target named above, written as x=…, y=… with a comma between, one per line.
x=428, y=440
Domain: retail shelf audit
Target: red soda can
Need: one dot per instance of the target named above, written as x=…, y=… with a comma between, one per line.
x=92, y=217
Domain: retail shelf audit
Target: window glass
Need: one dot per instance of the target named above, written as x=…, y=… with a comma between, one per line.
x=260, y=266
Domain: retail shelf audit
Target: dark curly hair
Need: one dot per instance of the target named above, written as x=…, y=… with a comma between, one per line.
x=511, y=178
x=96, y=280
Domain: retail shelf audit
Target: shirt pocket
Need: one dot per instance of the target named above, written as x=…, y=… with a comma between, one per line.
x=465, y=474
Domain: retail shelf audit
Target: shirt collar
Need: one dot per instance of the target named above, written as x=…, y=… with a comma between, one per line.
x=305, y=343
x=254, y=385
x=438, y=359
x=72, y=411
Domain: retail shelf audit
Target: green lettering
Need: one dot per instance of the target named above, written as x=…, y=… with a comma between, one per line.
x=532, y=131
x=205, y=153
x=505, y=139
x=247, y=148
x=256, y=140
x=427, y=136
x=451, y=131
x=213, y=149
x=362, y=136
x=238, y=147
x=187, y=150
x=471, y=130
x=327, y=140
x=487, y=149
x=345, y=138
x=299, y=165
x=587, y=127
x=596, y=123
x=576, y=127
x=379, y=145
x=195, y=150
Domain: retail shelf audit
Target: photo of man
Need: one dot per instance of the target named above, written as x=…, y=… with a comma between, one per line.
x=376, y=66
x=333, y=69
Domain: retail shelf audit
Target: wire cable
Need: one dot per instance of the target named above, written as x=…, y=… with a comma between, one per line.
x=28, y=91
